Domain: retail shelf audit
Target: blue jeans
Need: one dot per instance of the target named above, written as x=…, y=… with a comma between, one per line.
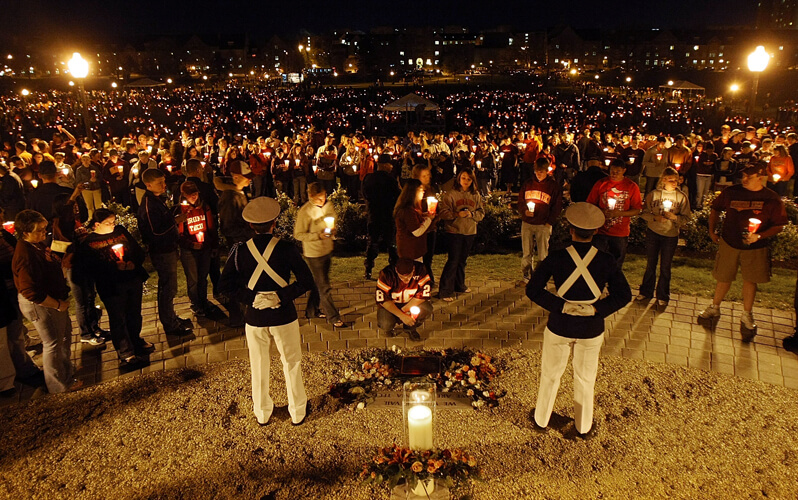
x=196, y=267
x=658, y=248
x=86, y=313
x=55, y=330
x=165, y=265
x=453, y=275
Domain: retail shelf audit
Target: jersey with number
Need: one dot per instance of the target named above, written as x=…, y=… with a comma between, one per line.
x=391, y=287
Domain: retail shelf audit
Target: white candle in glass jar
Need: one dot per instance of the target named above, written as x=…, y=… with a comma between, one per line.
x=419, y=427
x=611, y=203
x=531, y=206
x=667, y=205
x=415, y=311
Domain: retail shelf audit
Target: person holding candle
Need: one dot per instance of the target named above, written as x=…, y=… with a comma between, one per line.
x=311, y=228
x=158, y=226
x=44, y=299
x=619, y=199
x=539, y=204
x=576, y=314
x=42, y=198
x=12, y=196
x=780, y=170
x=350, y=160
x=400, y=288
x=116, y=174
x=137, y=170
x=429, y=204
x=91, y=177
x=114, y=260
x=412, y=223
x=654, y=163
x=198, y=237
x=257, y=273
x=664, y=210
x=461, y=210
x=754, y=214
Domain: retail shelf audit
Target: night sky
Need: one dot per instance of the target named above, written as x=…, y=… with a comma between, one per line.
x=265, y=17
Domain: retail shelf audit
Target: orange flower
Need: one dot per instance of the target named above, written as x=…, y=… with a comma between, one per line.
x=432, y=469
x=417, y=467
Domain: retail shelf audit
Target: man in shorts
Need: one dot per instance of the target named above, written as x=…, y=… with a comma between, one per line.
x=754, y=214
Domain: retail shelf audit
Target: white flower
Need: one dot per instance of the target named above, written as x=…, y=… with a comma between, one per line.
x=448, y=383
x=469, y=392
x=472, y=381
x=342, y=381
x=472, y=373
x=475, y=361
x=463, y=383
x=387, y=381
x=486, y=394
x=361, y=405
x=448, y=374
x=445, y=389
x=361, y=378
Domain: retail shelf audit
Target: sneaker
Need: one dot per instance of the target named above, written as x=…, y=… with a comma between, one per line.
x=711, y=312
x=95, y=341
x=414, y=335
x=185, y=323
x=147, y=347
x=791, y=343
x=642, y=298
x=747, y=320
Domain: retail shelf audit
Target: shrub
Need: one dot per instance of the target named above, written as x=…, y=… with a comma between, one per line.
x=499, y=226
x=284, y=229
x=785, y=244
x=351, y=219
x=127, y=219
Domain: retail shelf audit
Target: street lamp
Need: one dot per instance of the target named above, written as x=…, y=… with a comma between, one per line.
x=757, y=62
x=25, y=92
x=79, y=69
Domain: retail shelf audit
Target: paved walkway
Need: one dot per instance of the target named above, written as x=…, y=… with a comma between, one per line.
x=495, y=314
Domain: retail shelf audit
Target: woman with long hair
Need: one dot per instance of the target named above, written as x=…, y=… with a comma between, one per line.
x=664, y=210
x=412, y=223
x=461, y=210
x=424, y=174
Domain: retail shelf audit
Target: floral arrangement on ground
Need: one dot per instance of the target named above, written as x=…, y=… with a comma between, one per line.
x=394, y=464
x=463, y=371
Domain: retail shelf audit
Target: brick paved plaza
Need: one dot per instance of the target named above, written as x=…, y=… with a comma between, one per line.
x=495, y=314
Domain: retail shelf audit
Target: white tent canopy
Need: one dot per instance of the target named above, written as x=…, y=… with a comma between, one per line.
x=684, y=86
x=409, y=103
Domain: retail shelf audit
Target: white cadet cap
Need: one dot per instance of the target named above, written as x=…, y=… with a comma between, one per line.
x=585, y=215
x=261, y=210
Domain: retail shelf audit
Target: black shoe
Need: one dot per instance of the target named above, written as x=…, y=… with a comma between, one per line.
x=307, y=412
x=791, y=343
x=413, y=334
x=132, y=363
x=180, y=330
x=391, y=333
x=95, y=341
x=185, y=323
x=146, y=347
x=103, y=334
x=574, y=435
x=367, y=276
x=8, y=393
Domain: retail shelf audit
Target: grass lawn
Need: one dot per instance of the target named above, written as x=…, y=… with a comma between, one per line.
x=691, y=276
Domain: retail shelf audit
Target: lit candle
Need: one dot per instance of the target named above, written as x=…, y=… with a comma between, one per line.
x=776, y=177
x=667, y=205
x=200, y=236
x=419, y=423
x=297, y=162
x=659, y=156
x=432, y=203
x=479, y=164
x=315, y=167
x=34, y=183
x=169, y=168
x=9, y=226
x=184, y=203
x=677, y=166
x=119, y=250
x=531, y=206
x=415, y=311
x=287, y=162
x=65, y=171
x=611, y=203
x=135, y=170
x=376, y=157
x=330, y=223
x=607, y=162
x=753, y=225
x=419, y=396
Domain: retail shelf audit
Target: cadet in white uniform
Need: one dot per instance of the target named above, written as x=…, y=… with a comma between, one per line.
x=257, y=273
x=576, y=313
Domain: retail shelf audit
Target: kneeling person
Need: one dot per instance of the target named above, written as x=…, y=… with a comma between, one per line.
x=401, y=287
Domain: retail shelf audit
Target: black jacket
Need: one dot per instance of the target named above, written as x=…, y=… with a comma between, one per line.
x=12, y=197
x=41, y=199
x=381, y=190
x=560, y=265
x=285, y=260
x=157, y=224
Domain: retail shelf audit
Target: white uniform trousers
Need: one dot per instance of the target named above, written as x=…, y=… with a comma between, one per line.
x=286, y=337
x=556, y=350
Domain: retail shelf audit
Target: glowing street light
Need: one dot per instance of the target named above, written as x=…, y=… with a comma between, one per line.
x=574, y=71
x=113, y=85
x=168, y=80
x=628, y=79
x=757, y=62
x=734, y=87
x=79, y=69
x=25, y=92
x=670, y=83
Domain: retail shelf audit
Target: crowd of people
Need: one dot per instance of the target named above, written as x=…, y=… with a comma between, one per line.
x=198, y=169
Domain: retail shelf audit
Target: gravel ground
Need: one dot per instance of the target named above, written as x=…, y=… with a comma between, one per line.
x=662, y=432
